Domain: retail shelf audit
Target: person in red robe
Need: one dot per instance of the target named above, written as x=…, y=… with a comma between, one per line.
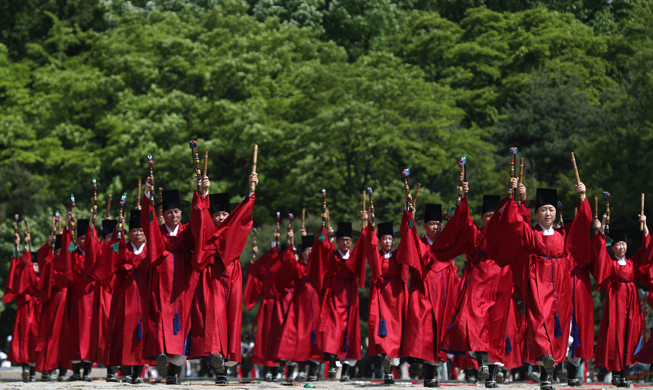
x=299, y=342
x=56, y=277
x=173, y=284
x=216, y=318
x=388, y=296
x=22, y=285
x=479, y=320
x=547, y=283
x=129, y=265
x=102, y=303
x=79, y=302
x=622, y=322
x=433, y=282
x=267, y=279
x=342, y=274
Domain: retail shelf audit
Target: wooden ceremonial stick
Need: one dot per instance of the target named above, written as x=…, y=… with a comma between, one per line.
x=253, y=186
x=573, y=162
x=161, y=202
x=521, y=176
x=107, y=215
x=641, y=224
x=419, y=185
x=206, y=162
x=364, y=193
x=303, y=217
x=138, y=195
x=596, y=207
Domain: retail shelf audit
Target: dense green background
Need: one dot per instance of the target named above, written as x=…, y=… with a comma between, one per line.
x=337, y=94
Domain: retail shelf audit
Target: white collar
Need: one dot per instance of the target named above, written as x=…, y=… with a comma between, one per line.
x=621, y=260
x=344, y=256
x=171, y=232
x=139, y=250
x=387, y=255
x=428, y=239
x=545, y=231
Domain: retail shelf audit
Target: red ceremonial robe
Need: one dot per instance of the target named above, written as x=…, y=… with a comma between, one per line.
x=339, y=323
x=645, y=354
x=131, y=291
x=548, y=278
x=216, y=316
x=513, y=357
x=622, y=322
x=23, y=283
x=433, y=282
x=298, y=341
x=263, y=281
x=479, y=322
x=56, y=276
x=173, y=285
x=388, y=298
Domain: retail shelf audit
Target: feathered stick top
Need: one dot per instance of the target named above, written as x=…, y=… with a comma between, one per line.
x=290, y=218
x=72, y=217
x=276, y=232
x=150, y=162
x=120, y=220
x=405, y=173
x=324, y=208
x=513, y=153
x=461, y=164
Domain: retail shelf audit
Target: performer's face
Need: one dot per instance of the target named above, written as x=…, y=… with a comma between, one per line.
x=306, y=253
x=219, y=217
x=433, y=229
x=485, y=218
x=36, y=267
x=57, y=251
x=344, y=243
x=619, y=248
x=386, y=242
x=80, y=241
x=137, y=236
x=546, y=214
x=172, y=218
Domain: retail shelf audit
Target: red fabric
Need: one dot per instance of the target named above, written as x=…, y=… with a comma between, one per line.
x=339, y=324
x=102, y=305
x=513, y=359
x=270, y=317
x=302, y=321
x=321, y=259
x=130, y=300
x=56, y=276
x=24, y=337
x=173, y=285
x=388, y=298
x=216, y=258
x=433, y=286
x=510, y=239
x=622, y=322
x=12, y=279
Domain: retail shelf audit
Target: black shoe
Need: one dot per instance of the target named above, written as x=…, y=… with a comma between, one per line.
x=45, y=377
x=221, y=380
x=217, y=362
x=387, y=365
x=615, y=380
x=301, y=376
x=572, y=373
x=111, y=378
x=127, y=379
x=162, y=365
x=32, y=378
x=25, y=374
x=313, y=370
x=87, y=378
x=622, y=379
x=430, y=376
x=500, y=377
x=563, y=373
x=332, y=366
x=388, y=379
x=545, y=379
x=344, y=373
x=483, y=372
x=549, y=363
x=573, y=382
x=73, y=378
x=268, y=377
x=171, y=377
x=491, y=385
x=136, y=375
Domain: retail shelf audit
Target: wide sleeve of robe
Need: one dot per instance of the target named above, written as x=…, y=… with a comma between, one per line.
x=321, y=259
x=149, y=223
x=231, y=235
x=602, y=262
x=578, y=240
x=62, y=264
x=372, y=254
x=408, y=252
x=456, y=238
x=12, y=279
x=508, y=238
x=202, y=227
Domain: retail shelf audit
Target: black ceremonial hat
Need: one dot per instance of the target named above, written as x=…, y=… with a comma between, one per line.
x=344, y=230
x=432, y=212
x=82, y=226
x=619, y=235
x=546, y=196
x=134, y=219
x=107, y=226
x=57, y=242
x=35, y=257
x=384, y=229
x=307, y=241
x=219, y=202
x=172, y=200
x=490, y=203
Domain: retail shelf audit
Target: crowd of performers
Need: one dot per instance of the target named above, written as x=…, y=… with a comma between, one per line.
x=174, y=291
